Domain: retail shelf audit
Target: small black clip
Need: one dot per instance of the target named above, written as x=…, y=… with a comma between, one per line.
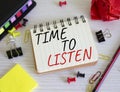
x=100, y=36
x=9, y=54
x=80, y=74
x=19, y=50
x=14, y=52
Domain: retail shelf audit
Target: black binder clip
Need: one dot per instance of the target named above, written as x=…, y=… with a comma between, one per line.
x=102, y=35
x=14, y=51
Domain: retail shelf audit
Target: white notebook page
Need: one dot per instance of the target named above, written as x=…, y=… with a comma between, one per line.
x=63, y=47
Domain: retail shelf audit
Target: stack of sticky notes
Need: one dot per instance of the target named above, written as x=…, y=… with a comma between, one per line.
x=17, y=80
x=11, y=12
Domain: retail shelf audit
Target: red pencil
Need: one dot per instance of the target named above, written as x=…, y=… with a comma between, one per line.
x=107, y=70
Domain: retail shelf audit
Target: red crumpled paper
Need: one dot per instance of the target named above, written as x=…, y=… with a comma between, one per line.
x=105, y=10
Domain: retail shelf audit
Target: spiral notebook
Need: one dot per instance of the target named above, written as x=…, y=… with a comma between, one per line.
x=65, y=44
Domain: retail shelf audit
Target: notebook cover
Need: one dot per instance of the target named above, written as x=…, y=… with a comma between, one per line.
x=63, y=47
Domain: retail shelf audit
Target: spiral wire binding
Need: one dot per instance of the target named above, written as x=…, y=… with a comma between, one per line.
x=61, y=22
x=55, y=24
x=69, y=21
x=83, y=18
x=41, y=27
x=76, y=20
x=48, y=25
x=35, y=27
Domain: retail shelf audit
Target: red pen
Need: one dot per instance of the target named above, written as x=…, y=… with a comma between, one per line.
x=107, y=70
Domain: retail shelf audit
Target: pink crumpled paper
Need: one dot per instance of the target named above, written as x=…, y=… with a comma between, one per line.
x=106, y=10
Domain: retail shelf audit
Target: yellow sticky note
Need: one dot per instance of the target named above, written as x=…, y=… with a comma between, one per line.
x=17, y=80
